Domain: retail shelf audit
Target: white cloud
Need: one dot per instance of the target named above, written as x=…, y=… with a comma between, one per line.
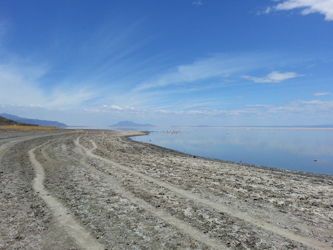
x=269, y=9
x=323, y=93
x=116, y=108
x=324, y=7
x=273, y=77
x=258, y=105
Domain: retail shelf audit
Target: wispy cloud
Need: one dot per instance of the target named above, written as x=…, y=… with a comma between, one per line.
x=70, y=97
x=273, y=77
x=313, y=108
x=311, y=112
x=217, y=66
x=19, y=85
x=197, y=2
x=324, y=7
x=310, y=108
x=4, y=26
x=322, y=93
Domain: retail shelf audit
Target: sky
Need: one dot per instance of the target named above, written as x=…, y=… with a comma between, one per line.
x=168, y=62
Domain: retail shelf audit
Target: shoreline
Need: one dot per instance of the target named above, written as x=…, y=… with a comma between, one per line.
x=185, y=127
x=230, y=162
x=234, y=162
x=128, y=194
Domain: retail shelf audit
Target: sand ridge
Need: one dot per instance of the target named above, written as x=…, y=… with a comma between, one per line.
x=219, y=207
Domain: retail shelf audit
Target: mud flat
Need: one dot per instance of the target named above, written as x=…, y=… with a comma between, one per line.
x=95, y=189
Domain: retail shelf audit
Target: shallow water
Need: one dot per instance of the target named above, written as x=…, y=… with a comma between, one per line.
x=309, y=150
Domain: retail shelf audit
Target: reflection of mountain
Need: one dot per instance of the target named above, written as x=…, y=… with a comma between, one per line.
x=33, y=121
x=131, y=124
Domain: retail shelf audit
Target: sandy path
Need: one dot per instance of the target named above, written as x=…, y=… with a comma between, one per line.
x=100, y=190
x=116, y=186
x=25, y=222
x=80, y=235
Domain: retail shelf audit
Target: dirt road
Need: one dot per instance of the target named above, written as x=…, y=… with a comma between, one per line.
x=94, y=189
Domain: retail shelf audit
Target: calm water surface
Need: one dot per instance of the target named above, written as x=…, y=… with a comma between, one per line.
x=309, y=150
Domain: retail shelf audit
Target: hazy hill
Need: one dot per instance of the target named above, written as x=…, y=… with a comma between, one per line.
x=5, y=121
x=33, y=121
x=131, y=124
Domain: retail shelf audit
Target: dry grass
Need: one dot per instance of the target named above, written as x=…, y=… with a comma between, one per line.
x=26, y=128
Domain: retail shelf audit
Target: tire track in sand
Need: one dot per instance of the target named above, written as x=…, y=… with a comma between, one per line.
x=117, y=187
x=310, y=242
x=80, y=235
x=8, y=143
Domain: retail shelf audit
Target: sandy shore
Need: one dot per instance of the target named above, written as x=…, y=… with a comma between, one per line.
x=95, y=189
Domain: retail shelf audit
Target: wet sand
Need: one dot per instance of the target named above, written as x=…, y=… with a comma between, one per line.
x=97, y=189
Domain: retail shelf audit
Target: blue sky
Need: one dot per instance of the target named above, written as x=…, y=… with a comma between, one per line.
x=168, y=62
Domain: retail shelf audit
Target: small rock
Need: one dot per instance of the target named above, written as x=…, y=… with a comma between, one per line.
x=193, y=246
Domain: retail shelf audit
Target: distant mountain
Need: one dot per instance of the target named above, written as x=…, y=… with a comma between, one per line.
x=5, y=121
x=32, y=121
x=131, y=124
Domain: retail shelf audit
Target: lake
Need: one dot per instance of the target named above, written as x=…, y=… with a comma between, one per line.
x=309, y=150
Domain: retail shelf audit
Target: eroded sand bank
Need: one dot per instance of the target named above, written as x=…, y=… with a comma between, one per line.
x=94, y=189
